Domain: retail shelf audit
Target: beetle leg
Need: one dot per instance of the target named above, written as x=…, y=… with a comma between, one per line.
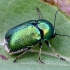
x=40, y=46
x=21, y=54
x=54, y=50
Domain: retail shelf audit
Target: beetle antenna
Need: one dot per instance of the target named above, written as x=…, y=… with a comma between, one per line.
x=62, y=35
x=55, y=17
x=54, y=25
x=39, y=13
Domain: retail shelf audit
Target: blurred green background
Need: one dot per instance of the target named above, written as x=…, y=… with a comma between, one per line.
x=14, y=12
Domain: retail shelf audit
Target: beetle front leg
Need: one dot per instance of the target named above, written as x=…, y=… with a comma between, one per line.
x=49, y=45
x=21, y=54
x=40, y=46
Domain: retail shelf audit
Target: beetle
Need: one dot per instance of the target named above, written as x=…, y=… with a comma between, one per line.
x=22, y=37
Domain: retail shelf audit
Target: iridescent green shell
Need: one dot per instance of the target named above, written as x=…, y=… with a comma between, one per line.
x=28, y=34
x=22, y=36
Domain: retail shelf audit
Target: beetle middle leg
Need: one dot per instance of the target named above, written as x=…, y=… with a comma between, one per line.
x=54, y=50
x=40, y=46
x=22, y=54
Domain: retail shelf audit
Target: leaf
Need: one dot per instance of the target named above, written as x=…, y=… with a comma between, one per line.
x=14, y=12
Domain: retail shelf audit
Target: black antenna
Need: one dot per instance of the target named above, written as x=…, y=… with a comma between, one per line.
x=62, y=35
x=39, y=13
x=55, y=17
x=54, y=25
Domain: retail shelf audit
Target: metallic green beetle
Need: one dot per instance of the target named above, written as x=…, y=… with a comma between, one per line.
x=22, y=37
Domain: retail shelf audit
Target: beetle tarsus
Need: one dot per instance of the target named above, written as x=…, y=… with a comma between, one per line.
x=15, y=60
x=61, y=58
x=41, y=61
